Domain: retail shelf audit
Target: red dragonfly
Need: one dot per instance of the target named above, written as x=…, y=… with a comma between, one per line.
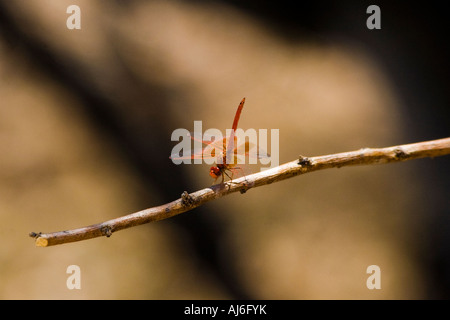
x=225, y=151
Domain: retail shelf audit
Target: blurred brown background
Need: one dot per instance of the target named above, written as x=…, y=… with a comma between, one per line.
x=85, y=123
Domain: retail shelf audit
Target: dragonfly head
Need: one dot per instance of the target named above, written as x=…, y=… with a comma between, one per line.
x=214, y=172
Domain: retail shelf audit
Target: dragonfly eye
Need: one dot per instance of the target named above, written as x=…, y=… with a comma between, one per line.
x=214, y=172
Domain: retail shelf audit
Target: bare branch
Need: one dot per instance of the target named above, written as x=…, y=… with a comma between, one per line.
x=366, y=156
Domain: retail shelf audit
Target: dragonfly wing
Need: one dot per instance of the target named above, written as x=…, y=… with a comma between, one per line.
x=188, y=155
x=251, y=150
x=211, y=149
x=207, y=140
x=199, y=138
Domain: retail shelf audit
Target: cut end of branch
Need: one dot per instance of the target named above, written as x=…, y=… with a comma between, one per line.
x=41, y=242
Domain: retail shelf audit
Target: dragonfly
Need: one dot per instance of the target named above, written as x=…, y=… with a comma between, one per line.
x=227, y=152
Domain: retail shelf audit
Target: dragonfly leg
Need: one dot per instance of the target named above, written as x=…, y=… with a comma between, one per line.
x=231, y=178
x=215, y=180
x=242, y=172
x=214, y=183
x=229, y=182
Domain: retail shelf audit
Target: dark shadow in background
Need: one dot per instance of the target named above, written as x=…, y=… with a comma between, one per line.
x=412, y=47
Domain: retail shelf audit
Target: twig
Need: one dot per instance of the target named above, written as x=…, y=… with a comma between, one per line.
x=291, y=169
